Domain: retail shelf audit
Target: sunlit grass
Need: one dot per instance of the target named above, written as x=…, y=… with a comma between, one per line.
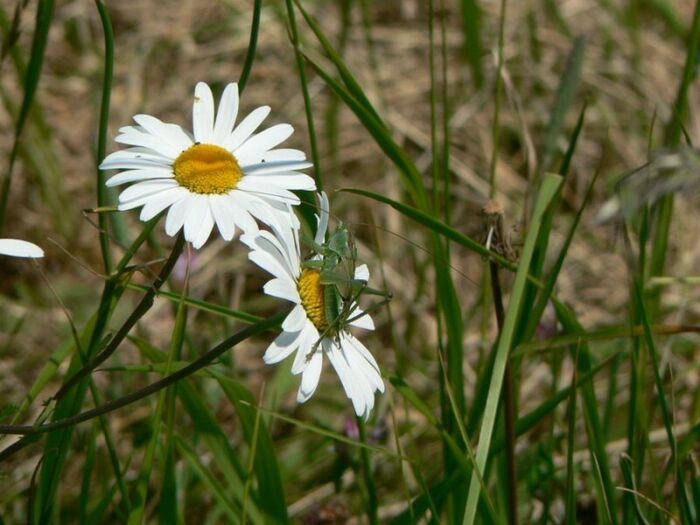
x=519, y=176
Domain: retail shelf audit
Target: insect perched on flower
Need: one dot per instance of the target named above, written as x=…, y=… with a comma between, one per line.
x=325, y=289
x=220, y=174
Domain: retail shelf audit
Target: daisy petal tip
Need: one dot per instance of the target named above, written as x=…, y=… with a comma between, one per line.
x=20, y=248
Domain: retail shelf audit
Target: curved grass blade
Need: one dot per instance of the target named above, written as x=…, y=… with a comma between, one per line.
x=44, y=16
x=252, y=46
x=435, y=225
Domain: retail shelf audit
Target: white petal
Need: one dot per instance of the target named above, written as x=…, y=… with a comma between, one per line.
x=139, y=175
x=226, y=114
x=351, y=385
x=309, y=345
x=282, y=347
x=203, y=114
x=254, y=149
x=358, y=355
x=132, y=156
x=171, y=133
x=290, y=180
x=225, y=220
x=282, y=289
x=361, y=321
x=238, y=207
x=278, y=216
x=19, y=248
x=204, y=230
x=269, y=263
x=362, y=273
x=255, y=186
x=159, y=202
x=176, y=216
x=142, y=189
x=247, y=126
x=310, y=377
x=284, y=155
x=271, y=245
x=296, y=319
x=264, y=168
x=151, y=142
x=199, y=221
x=322, y=217
x=135, y=164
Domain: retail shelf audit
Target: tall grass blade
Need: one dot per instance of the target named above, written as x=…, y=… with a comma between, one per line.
x=471, y=28
x=271, y=500
x=44, y=16
x=568, y=84
x=550, y=185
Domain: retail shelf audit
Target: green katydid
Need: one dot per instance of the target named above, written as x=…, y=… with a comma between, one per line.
x=335, y=260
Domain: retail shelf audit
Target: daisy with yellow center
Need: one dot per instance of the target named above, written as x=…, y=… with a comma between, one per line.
x=220, y=174
x=307, y=329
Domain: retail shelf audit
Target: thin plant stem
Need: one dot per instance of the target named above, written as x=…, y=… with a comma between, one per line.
x=509, y=401
x=102, y=131
x=497, y=103
x=138, y=312
x=30, y=431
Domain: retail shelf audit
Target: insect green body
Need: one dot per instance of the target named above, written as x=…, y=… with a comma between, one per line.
x=336, y=259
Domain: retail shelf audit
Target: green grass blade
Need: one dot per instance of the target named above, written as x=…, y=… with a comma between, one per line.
x=570, y=491
x=216, y=489
x=606, y=493
x=471, y=27
x=566, y=92
x=44, y=16
x=252, y=47
x=102, y=132
x=674, y=130
x=550, y=186
x=348, y=79
x=138, y=510
x=270, y=487
x=436, y=225
x=204, y=306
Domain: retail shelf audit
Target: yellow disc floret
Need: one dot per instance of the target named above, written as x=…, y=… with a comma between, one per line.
x=207, y=169
x=311, y=293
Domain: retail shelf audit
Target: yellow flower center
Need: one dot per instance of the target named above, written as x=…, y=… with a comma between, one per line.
x=311, y=293
x=207, y=169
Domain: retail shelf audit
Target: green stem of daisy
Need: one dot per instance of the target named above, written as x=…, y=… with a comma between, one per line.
x=102, y=133
x=140, y=310
x=252, y=46
x=32, y=430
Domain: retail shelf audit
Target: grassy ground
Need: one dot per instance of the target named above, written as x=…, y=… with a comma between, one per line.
x=431, y=116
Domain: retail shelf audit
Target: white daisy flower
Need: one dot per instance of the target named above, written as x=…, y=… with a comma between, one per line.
x=219, y=174
x=306, y=329
x=19, y=248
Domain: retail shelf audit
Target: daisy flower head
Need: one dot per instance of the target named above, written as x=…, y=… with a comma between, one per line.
x=19, y=248
x=221, y=173
x=317, y=325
